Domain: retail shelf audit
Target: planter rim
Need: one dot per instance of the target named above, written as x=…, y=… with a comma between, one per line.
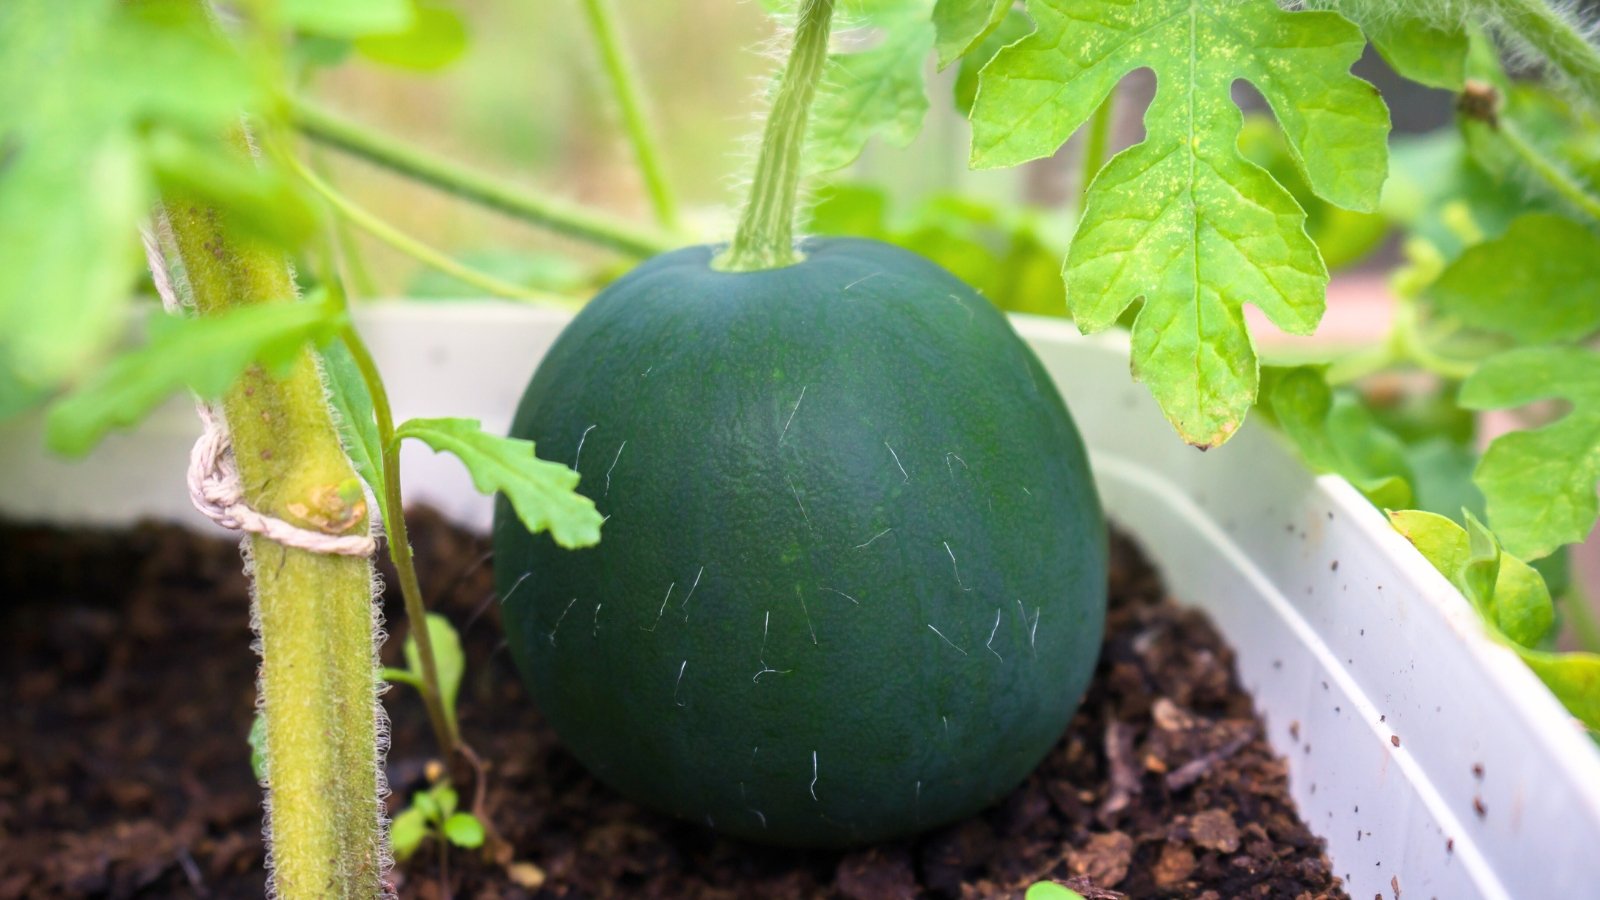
x=1243, y=531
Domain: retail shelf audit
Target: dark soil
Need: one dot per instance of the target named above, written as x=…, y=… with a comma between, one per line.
x=127, y=688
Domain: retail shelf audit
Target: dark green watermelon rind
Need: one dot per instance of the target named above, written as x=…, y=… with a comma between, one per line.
x=852, y=580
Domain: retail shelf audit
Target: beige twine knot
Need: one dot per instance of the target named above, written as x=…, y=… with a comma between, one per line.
x=213, y=478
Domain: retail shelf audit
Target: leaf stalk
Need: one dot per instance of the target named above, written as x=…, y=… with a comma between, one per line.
x=569, y=221
x=428, y=256
x=625, y=88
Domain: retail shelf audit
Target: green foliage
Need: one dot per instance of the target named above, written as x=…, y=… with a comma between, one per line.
x=205, y=354
x=433, y=813
x=435, y=38
x=1012, y=28
x=1181, y=220
x=1512, y=599
x=1538, y=282
x=878, y=90
x=543, y=493
x=960, y=25
x=1342, y=236
x=1010, y=255
x=1336, y=433
x=347, y=18
x=450, y=663
x=1412, y=39
x=101, y=98
x=1540, y=484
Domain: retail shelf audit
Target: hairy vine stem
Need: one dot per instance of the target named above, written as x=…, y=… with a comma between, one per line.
x=765, y=236
x=1558, y=179
x=1553, y=36
x=569, y=221
x=626, y=89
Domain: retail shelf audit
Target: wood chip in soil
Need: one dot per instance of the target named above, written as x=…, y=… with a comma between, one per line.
x=127, y=689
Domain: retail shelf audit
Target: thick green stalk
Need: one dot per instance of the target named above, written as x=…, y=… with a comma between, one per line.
x=325, y=127
x=399, y=543
x=1553, y=36
x=314, y=611
x=765, y=236
x=626, y=89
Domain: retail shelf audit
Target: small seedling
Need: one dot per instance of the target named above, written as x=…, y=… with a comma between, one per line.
x=433, y=813
x=448, y=657
x=1049, y=890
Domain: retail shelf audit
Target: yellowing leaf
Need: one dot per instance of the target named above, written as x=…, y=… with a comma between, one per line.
x=542, y=493
x=1181, y=220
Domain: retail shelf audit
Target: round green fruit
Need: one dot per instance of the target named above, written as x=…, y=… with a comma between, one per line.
x=852, y=578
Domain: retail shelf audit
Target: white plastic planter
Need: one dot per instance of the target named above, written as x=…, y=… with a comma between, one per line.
x=1425, y=754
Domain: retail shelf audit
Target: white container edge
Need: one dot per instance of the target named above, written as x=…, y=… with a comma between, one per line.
x=1343, y=660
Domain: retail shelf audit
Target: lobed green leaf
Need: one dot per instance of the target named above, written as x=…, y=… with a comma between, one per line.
x=1181, y=220
x=1539, y=484
x=204, y=354
x=542, y=493
x=1538, y=282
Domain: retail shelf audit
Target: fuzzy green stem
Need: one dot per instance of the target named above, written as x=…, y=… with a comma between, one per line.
x=1552, y=35
x=765, y=236
x=1558, y=179
x=324, y=127
x=626, y=89
x=316, y=622
x=399, y=544
x=417, y=250
x=1097, y=141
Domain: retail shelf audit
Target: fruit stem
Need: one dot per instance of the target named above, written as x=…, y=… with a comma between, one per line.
x=625, y=87
x=765, y=236
x=327, y=128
